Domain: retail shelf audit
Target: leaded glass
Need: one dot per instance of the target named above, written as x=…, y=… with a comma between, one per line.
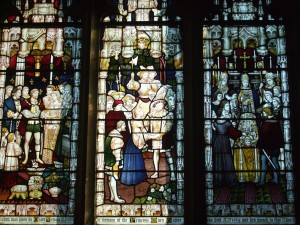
x=248, y=153
x=39, y=111
x=140, y=116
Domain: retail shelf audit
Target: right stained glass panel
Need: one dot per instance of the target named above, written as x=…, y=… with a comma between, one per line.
x=248, y=153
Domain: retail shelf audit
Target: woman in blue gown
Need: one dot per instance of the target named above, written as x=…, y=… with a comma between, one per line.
x=133, y=171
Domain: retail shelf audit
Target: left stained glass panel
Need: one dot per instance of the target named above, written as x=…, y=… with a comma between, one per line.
x=39, y=111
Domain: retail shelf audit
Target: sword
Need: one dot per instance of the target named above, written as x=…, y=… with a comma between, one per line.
x=269, y=159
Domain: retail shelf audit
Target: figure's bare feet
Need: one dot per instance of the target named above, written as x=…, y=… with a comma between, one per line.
x=112, y=197
x=155, y=175
x=119, y=200
x=25, y=161
x=39, y=161
x=173, y=177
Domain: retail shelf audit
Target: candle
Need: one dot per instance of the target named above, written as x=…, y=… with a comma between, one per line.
x=254, y=57
x=51, y=67
x=120, y=76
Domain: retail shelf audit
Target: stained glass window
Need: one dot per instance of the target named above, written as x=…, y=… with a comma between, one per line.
x=140, y=157
x=248, y=153
x=39, y=110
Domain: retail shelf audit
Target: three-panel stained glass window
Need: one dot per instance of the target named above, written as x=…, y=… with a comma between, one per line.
x=139, y=161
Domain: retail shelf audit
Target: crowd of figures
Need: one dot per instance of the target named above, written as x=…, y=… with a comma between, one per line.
x=136, y=123
x=247, y=131
x=30, y=126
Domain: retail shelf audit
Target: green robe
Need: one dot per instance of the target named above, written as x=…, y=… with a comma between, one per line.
x=109, y=158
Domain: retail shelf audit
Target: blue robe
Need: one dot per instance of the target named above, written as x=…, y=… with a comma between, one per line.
x=133, y=171
x=9, y=123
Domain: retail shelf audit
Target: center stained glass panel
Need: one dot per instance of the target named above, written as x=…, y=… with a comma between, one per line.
x=140, y=154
